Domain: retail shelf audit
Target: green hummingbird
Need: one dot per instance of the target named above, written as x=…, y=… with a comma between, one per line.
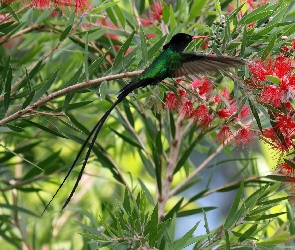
x=172, y=62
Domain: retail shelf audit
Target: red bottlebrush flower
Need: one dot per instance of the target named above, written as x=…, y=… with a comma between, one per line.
x=157, y=10
x=149, y=36
x=183, y=94
x=271, y=95
x=112, y=36
x=293, y=43
x=224, y=113
x=225, y=93
x=285, y=168
x=172, y=101
x=202, y=116
x=251, y=25
x=260, y=69
x=186, y=109
x=245, y=112
x=243, y=136
x=78, y=5
x=196, y=83
x=269, y=133
x=224, y=135
x=179, y=80
x=145, y=22
x=206, y=87
x=283, y=65
x=285, y=124
x=203, y=84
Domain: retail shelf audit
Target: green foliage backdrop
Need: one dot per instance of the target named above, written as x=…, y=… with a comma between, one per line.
x=60, y=70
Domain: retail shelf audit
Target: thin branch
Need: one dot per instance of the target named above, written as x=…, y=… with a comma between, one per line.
x=64, y=91
x=47, y=55
x=196, y=171
x=10, y=15
x=222, y=187
x=171, y=165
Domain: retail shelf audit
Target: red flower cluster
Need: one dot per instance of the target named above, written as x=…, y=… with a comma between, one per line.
x=210, y=109
x=79, y=5
x=273, y=85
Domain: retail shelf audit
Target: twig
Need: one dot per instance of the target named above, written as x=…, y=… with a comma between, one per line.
x=64, y=91
x=171, y=165
x=224, y=186
x=196, y=171
x=47, y=55
x=10, y=15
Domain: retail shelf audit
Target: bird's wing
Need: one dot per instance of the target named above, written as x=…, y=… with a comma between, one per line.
x=194, y=64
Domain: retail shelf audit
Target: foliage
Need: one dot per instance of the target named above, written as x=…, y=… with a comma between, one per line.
x=61, y=70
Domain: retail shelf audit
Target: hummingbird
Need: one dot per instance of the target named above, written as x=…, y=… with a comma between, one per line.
x=172, y=62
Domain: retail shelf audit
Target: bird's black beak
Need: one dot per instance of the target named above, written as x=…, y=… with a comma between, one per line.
x=198, y=37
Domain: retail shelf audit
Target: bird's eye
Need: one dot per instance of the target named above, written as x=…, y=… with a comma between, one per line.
x=187, y=38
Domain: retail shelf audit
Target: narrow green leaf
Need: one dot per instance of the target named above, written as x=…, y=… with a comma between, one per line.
x=112, y=16
x=255, y=114
x=103, y=90
x=68, y=28
x=143, y=46
x=270, y=216
x=29, y=99
x=126, y=139
x=45, y=87
x=74, y=79
x=101, y=7
x=43, y=16
x=273, y=201
x=269, y=47
x=17, y=154
x=46, y=129
x=128, y=112
x=152, y=227
x=147, y=192
x=7, y=89
x=126, y=202
x=91, y=230
x=174, y=210
x=230, y=220
x=86, y=57
x=186, y=155
x=290, y=163
x=165, y=13
x=194, y=211
x=253, y=18
x=18, y=209
x=227, y=242
x=280, y=178
x=273, y=79
x=247, y=235
x=11, y=11
x=120, y=15
x=159, y=144
x=122, y=51
x=173, y=22
x=196, y=9
x=182, y=241
x=156, y=47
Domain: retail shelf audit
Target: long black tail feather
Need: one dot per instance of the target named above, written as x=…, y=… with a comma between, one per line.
x=95, y=131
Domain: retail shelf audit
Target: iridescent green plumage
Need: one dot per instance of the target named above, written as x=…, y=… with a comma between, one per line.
x=171, y=62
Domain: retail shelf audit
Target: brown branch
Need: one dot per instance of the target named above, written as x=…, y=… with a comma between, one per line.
x=10, y=15
x=196, y=171
x=64, y=91
x=171, y=165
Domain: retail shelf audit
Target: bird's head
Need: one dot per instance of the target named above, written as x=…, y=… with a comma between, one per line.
x=180, y=41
